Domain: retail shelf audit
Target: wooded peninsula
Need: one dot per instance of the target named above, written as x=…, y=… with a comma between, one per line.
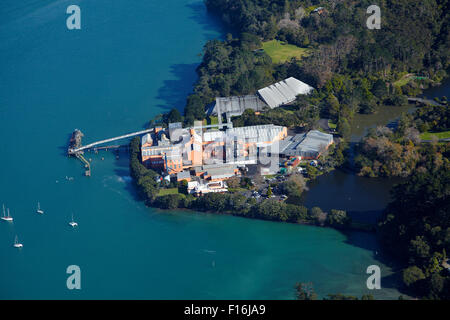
x=353, y=69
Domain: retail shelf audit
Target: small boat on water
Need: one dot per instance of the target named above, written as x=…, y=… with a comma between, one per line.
x=39, y=209
x=17, y=244
x=6, y=217
x=73, y=223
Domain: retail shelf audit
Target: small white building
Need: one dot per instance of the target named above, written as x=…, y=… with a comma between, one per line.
x=203, y=188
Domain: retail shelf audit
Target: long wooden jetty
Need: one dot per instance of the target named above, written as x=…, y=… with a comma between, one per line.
x=76, y=148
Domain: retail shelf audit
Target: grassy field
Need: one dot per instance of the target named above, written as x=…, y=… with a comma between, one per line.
x=401, y=82
x=212, y=120
x=281, y=52
x=439, y=135
x=163, y=191
x=332, y=125
x=310, y=9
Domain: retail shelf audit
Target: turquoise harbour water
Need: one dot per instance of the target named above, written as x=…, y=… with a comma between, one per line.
x=130, y=61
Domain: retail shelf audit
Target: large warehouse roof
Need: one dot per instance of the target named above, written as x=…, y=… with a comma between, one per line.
x=258, y=134
x=307, y=145
x=283, y=92
x=238, y=104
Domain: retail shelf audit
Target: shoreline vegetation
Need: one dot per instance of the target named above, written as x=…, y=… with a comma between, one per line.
x=353, y=70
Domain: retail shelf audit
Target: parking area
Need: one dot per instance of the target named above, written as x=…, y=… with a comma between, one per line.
x=269, y=186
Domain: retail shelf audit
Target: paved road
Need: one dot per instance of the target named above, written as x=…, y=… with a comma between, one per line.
x=426, y=101
x=440, y=140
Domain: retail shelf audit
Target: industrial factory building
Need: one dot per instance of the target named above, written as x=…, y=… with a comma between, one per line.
x=191, y=150
x=206, y=158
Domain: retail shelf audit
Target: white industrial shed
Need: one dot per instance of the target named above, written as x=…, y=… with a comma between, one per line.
x=273, y=96
x=283, y=92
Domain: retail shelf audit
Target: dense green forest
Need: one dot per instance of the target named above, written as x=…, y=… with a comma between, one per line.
x=230, y=67
x=414, y=34
x=416, y=230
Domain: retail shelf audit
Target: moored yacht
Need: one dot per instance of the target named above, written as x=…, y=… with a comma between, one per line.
x=6, y=217
x=73, y=223
x=17, y=244
x=39, y=209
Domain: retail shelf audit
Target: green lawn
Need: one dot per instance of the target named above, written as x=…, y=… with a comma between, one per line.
x=164, y=191
x=238, y=189
x=407, y=77
x=310, y=9
x=332, y=125
x=401, y=82
x=281, y=52
x=439, y=135
x=212, y=120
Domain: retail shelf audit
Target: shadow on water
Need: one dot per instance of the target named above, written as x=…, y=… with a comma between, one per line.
x=62, y=150
x=365, y=216
x=122, y=169
x=174, y=92
x=394, y=281
x=211, y=23
x=369, y=242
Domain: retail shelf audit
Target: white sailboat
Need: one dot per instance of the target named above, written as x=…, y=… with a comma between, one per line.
x=17, y=244
x=73, y=223
x=39, y=209
x=6, y=217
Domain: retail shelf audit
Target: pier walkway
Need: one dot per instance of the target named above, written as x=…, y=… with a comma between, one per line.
x=88, y=146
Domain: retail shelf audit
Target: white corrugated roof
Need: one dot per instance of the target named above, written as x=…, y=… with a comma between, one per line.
x=213, y=135
x=259, y=133
x=284, y=92
x=310, y=143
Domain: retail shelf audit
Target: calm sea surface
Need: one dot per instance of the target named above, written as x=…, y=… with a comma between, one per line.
x=130, y=61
